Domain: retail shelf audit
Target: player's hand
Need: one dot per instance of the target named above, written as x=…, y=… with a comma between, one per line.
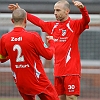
x=13, y=6
x=49, y=38
x=78, y=4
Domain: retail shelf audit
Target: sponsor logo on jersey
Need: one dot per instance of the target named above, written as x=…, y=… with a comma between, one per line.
x=22, y=66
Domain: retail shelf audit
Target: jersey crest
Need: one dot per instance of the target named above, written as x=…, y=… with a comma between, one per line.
x=63, y=32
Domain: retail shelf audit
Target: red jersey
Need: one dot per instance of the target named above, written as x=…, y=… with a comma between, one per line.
x=66, y=36
x=24, y=50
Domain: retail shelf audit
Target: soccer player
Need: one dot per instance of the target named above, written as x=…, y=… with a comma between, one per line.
x=24, y=50
x=66, y=32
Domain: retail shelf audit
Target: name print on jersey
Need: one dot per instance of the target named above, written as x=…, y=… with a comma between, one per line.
x=16, y=39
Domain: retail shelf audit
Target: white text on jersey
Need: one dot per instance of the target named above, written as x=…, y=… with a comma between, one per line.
x=22, y=66
x=16, y=39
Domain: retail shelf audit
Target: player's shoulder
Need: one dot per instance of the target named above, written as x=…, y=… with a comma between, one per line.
x=4, y=35
x=74, y=21
x=33, y=33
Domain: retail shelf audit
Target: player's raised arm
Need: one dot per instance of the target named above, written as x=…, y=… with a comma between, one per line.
x=13, y=7
x=30, y=17
x=44, y=50
x=85, y=16
x=78, y=4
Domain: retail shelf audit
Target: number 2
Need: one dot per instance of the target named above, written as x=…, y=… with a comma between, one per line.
x=19, y=57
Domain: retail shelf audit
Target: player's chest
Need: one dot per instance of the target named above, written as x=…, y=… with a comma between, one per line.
x=62, y=32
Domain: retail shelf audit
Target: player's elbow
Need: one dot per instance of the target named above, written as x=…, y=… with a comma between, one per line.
x=3, y=60
x=49, y=56
x=88, y=20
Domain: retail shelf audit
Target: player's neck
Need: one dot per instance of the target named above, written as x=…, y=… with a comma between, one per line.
x=22, y=26
x=66, y=18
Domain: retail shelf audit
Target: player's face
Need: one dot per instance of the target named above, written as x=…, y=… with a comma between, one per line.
x=61, y=14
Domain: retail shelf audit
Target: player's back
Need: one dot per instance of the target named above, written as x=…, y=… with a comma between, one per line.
x=22, y=49
x=20, y=46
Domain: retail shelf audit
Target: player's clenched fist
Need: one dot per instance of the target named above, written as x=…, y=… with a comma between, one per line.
x=49, y=38
x=13, y=6
x=78, y=4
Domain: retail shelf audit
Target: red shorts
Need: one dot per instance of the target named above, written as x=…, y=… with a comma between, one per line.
x=48, y=94
x=68, y=85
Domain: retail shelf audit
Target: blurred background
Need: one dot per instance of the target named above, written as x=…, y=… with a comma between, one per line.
x=89, y=45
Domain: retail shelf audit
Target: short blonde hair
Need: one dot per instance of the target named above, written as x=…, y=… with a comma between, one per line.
x=18, y=15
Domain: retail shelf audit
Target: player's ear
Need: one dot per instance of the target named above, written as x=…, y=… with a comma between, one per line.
x=12, y=20
x=25, y=20
x=67, y=11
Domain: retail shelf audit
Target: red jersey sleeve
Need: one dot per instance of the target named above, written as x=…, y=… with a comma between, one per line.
x=2, y=44
x=82, y=24
x=45, y=26
x=4, y=60
x=85, y=17
x=42, y=50
x=3, y=51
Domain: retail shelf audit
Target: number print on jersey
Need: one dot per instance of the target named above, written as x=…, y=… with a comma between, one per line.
x=71, y=88
x=19, y=57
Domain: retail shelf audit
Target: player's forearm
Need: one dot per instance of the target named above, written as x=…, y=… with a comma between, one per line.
x=52, y=45
x=33, y=19
x=3, y=60
x=48, y=53
x=85, y=15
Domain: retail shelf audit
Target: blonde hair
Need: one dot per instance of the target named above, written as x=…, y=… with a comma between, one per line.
x=18, y=15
